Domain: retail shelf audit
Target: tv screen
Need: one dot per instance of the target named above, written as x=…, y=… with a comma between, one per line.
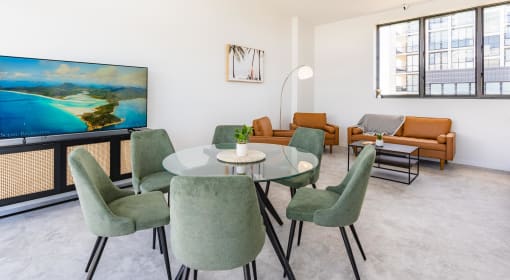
x=40, y=97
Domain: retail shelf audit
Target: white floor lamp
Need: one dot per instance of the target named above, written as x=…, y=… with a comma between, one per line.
x=304, y=72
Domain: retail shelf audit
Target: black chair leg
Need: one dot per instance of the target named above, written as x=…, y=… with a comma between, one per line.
x=314, y=186
x=291, y=240
x=195, y=274
x=349, y=252
x=267, y=187
x=292, y=192
x=162, y=241
x=187, y=273
x=246, y=270
x=254, y=268
x=160, y=245
x=97, y=257
x=153, y=239
x=358, y=242
x=299, y=233
x=98, y=240
x=181, y=272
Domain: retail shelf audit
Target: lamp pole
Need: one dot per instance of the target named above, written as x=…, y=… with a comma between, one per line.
x=283, y=87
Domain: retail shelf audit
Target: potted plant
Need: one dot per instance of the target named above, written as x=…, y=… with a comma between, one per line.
x=241, y=136
x=379, y=139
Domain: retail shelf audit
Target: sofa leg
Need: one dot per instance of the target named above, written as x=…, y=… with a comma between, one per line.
x=441, y=164
x=330, y=149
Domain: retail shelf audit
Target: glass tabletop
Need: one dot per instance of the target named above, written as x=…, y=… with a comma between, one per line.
x=280, y=162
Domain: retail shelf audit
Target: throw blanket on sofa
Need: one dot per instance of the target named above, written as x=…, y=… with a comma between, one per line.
x=375, y=123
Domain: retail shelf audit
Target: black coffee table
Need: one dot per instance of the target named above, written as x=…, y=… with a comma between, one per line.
x=393, y=162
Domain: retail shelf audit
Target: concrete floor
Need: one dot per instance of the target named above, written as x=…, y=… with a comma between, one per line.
x=451, y=224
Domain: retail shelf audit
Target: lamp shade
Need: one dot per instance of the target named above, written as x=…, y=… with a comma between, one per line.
x=305, y=72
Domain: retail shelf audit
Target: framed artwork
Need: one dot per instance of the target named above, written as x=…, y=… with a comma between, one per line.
x=245, y=64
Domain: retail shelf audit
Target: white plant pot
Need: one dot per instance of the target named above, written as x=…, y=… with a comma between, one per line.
x=379, y=143
x=241, y=150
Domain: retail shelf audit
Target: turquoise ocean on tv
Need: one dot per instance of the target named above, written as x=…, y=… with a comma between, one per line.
x=25, y=115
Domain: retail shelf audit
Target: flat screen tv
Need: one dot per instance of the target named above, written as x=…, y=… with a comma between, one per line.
x=40, y=97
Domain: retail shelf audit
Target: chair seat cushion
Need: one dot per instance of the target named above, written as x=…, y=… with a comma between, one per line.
x=299, y=181
x=306, y=201
x=147, y=210
x=159, y=181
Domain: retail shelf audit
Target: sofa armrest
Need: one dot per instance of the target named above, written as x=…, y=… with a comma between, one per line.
x=450, y=145
x=331, y=128
x=352, y=130
x=283, y=133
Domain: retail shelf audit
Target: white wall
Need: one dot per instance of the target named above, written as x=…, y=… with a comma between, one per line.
x=345, y=87
x=305, y=88
x=182, y=43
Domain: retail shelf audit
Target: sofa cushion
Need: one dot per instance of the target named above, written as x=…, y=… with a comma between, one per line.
x=262, y=127
x=441, y=139
x=312, y=120
x=428, y=128
x=427, y=144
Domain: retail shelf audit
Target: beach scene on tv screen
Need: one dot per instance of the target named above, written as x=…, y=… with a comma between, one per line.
x=46, y=97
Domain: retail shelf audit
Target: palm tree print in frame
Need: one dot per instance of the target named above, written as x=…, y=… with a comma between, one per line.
x=245, y=64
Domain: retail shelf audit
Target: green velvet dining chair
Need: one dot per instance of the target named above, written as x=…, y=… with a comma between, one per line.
x=310, y=140
x=337, y=206
x=110, y=211
x=148, y=149
x=216, y=224
x=224, y=134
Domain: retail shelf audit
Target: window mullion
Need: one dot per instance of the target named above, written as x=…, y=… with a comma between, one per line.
x=421, y=63
x=479, y=53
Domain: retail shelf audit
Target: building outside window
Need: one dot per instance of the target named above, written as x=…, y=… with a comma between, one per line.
x=450, y=54
x=496, y=63
x=399, y=58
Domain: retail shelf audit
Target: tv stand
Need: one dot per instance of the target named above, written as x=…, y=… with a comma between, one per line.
x=36, y=170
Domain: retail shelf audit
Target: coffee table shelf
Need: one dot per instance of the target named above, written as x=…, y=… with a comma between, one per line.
x=393, y=162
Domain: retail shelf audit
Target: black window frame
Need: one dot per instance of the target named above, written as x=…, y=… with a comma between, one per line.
x=478, y=56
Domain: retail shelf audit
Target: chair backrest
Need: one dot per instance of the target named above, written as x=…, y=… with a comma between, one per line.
x=262, y=127
x=216, y=221
x=224, y=134
x=95, y=191
x=310, y=140
x=312, y=120
x=148, y=149
x=348, y=206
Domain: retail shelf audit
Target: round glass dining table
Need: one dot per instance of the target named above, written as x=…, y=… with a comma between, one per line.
x=280, y=162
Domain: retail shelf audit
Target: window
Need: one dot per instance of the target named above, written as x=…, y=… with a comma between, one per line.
x=496, y=55
x=412, y=63
x=399, y=59
x=462, y=59
x=438, y=40
x=440, y=55
x=454, y=63
x=462, y=37
x=491, y=45
x=412, y=43
x=438, y=61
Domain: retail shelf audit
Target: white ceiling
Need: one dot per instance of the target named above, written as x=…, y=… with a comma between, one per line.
x=326, y=11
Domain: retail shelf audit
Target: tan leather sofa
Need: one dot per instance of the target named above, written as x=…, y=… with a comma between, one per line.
x=432, y=135
x=263, y=133
x=318, y=121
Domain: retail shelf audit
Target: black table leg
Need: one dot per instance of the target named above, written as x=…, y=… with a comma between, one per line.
x=271, y=234
x=270, y=207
